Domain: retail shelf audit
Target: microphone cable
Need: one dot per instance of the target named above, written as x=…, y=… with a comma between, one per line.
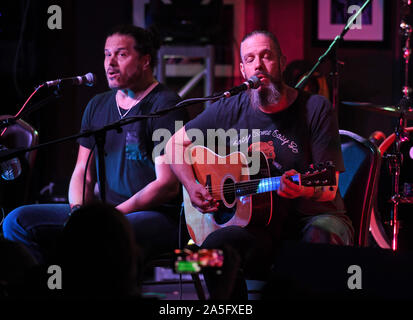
x=22, y=108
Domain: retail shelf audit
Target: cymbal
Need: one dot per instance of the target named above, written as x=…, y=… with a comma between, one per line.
x=388, y=110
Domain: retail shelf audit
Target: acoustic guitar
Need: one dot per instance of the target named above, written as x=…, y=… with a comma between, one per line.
x=243, y=199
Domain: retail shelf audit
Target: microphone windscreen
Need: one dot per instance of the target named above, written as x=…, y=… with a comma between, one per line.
x=255, y=82
x=90, y=78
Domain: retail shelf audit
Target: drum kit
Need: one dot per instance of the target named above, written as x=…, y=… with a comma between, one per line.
x=397, y=152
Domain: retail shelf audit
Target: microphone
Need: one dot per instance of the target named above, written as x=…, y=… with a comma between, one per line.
x=252, y=83
x=88, y=79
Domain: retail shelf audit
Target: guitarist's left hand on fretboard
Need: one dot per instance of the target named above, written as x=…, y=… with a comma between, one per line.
x=290, y=189
x=294, y=189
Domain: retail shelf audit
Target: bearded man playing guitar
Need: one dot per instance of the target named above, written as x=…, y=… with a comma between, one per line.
x=296, y=130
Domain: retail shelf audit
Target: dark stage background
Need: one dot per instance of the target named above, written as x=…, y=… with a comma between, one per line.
x=31, y=53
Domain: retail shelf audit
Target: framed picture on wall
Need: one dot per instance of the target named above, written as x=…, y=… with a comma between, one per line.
x=333, y=15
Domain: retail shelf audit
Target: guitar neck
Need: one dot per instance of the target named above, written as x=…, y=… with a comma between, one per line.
x=255, y=186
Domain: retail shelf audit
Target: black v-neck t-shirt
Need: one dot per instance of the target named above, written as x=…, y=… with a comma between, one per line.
x=129, y=154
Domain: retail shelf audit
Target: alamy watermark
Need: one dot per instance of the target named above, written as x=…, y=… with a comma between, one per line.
x=357, y=24
x=216, y=141
x=54, y=282
x=354, y=281
x=55, y=19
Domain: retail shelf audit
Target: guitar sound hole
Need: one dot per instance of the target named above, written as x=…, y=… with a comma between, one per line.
x=229, y=191
x=226, y=210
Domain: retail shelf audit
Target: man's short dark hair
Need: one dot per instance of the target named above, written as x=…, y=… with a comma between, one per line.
x=147, y=41
x=267, y=34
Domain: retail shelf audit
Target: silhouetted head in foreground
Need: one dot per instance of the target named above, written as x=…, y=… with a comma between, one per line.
x=97, y=254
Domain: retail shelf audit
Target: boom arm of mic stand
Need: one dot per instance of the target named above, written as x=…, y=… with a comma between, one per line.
x=187, y=102
x=304, y=80
x=12, y=153
x=100, y=137
x=336, y=40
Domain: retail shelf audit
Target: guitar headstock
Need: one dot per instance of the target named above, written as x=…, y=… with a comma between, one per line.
x=322, y=174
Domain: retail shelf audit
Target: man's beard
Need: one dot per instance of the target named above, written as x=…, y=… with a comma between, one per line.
x=268, y=95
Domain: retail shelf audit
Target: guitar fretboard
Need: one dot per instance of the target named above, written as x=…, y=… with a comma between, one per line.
x=250, y=187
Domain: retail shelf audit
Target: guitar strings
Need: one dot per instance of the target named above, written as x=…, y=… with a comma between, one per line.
x=244, y=186
x=249, y=185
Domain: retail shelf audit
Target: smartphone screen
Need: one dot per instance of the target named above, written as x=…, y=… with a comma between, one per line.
x=188, y=261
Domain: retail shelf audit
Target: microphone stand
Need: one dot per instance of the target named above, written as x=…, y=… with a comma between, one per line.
x=335, y=74
x=330, y=53
x=401, y=135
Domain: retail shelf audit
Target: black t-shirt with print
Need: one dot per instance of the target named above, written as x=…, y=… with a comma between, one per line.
x=129, y=158
x=303, y=134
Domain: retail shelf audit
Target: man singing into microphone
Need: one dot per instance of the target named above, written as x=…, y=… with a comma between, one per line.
x=140, y=186
x=295, y=130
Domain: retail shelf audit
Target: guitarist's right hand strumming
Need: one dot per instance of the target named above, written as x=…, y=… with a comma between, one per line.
x=199, y=195
x=201, y=198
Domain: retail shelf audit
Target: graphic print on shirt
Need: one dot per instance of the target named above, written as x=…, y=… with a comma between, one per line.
x=267, y=141
x=291, y=144
x=132, y=151
x=266, y=148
